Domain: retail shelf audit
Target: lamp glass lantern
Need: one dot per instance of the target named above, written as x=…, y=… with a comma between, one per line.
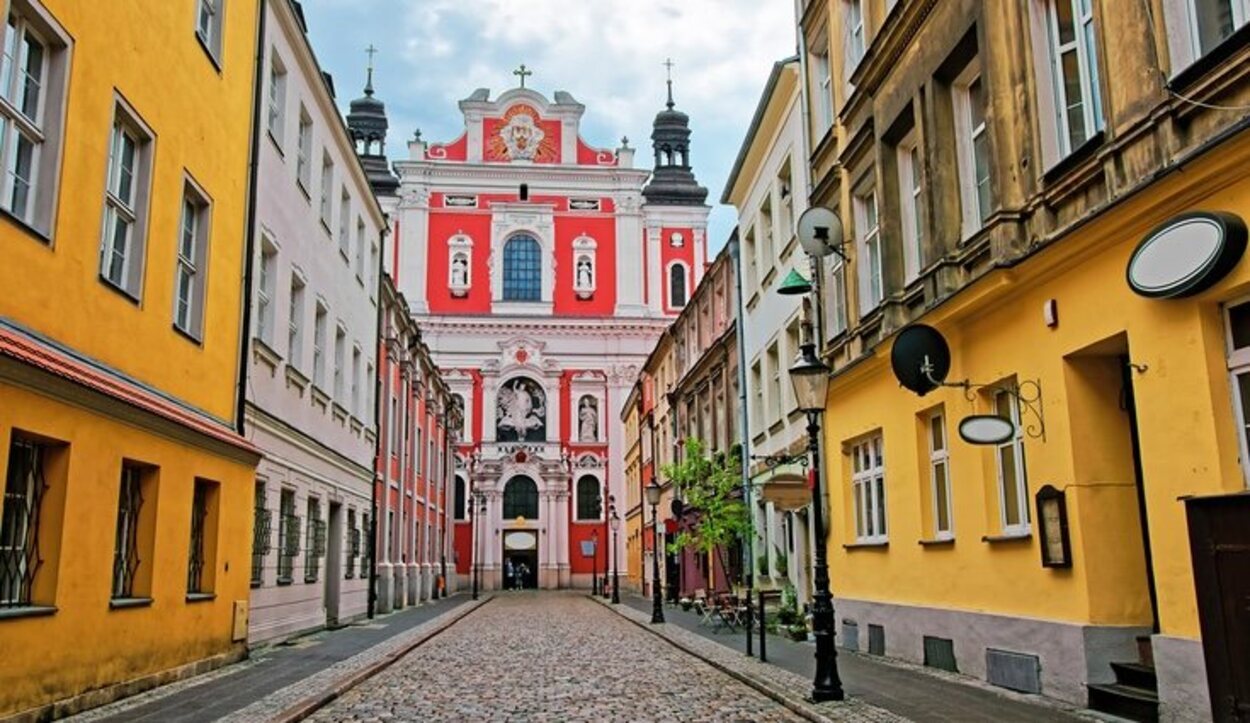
x=810, y=377
x=653, y=494
x=615, y=521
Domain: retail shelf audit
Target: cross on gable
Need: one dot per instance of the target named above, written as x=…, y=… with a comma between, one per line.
x=522, y=73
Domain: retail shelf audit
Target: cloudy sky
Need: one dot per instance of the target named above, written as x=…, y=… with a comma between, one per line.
x=608, y=53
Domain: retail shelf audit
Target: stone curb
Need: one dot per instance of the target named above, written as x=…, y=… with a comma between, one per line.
x=305, y=707
x=792, y=701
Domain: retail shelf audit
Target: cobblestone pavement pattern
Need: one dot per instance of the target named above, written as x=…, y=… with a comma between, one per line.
x=536, y=657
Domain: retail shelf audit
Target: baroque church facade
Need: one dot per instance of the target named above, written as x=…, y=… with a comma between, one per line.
x=541, y=270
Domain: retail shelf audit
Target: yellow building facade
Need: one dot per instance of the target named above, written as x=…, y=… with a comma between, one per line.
x=1079, y=556
x=631, y=414
x=126, y=531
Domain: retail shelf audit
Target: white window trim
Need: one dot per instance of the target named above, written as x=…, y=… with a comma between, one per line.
x=211, y=38
x=340, y=361
x=303, y=152
x=1048, y=74
x=869, y=491
x=965, y=145
x=321, y=330
x=44, y=131
x=125, y=119
x=266, y=290
x=824, y=88
x=578, y=495
x=773, y=379
x=835, y=297
x=197, y=264
x=276, y=120
x=911, y=205
x=867, y=244
x=1238, y=362
x=295, y=319
x=668, y=284
x=1022, y=482
x=855, y=35
x=940, y=457
x=1181, y=21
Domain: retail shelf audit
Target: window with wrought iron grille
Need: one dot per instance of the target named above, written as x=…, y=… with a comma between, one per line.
x=288, y=537
x=353, y=544
x=522, y=269
x=24, y=488
x=262, y=525
x=126, y=559
x=197, y=555
x=315, y=541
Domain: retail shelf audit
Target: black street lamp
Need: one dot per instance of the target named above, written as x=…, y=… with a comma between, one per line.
x=594, y=572
x=810, y=377
x=479, y=511
x=615, y=521
x=657, y=605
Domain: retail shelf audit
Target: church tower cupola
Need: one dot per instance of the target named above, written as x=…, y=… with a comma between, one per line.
x=672, y=183
x=367, y=124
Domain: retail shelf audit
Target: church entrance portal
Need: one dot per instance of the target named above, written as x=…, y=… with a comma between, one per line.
x=520, y=547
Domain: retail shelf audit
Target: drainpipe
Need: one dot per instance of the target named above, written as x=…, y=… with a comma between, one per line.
x=745, y=425
x=245, y=320
x=377, y=428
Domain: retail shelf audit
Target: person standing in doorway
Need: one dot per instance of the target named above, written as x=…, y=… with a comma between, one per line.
x=508, y=572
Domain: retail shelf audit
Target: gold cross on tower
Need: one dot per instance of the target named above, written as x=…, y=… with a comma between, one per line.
x=521, y=73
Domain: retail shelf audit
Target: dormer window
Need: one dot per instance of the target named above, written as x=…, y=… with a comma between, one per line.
x=584, y=266
x=460, y=264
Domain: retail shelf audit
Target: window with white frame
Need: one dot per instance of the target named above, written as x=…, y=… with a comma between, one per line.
x=972, y=145
x=1237, y=327
x=1073, y=64
x=373, y=268
x=125, y=202
x=345, y=217
x=822, y=88
x=853, y=30
x=360, y=250
x=340, y=362
x=327, y=207
x=1204, y=25
x=835, y=296
x=794, y=340
x=32, y=94
x=785, y=203
x=757, y=397
x=370, y=381
x=868, y=247
x=303, y=152
x=266, y=289
x=868, y=489
x=749, y=251
x=320, y=329
x=276, y=122
x=677, y=285
x=356, y=382
x=939, y=477
x=911, y=206
x=764, y=228
x=190, y=268
x=208, y=25
x=773, y=357
x=295, y=323
x=1013, y=486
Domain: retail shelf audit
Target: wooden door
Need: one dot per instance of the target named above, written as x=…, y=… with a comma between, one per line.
x=1219, y=539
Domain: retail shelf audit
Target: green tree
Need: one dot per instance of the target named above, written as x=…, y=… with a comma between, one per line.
x=711, y=486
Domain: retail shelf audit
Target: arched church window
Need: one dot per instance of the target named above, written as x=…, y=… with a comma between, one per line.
x=522, y=269
x=520, y=499
x=584, y=266
x=521, y=412
x=589, y=499
x=459, y=501
x=460, y=264
x=677, y=285
x=588, y=419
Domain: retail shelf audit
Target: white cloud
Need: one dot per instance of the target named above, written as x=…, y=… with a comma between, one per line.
x=609, y=55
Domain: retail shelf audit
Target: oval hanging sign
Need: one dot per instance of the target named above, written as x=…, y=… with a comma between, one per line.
x=520, y=541
x=1186, y=255
x=986, y=429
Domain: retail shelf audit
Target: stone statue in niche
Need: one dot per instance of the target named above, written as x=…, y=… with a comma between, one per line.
x=585, y=277
x=588, y=415
x=459, y=271
x=521, y=414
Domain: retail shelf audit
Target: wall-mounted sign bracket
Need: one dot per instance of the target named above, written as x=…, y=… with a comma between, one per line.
x=1028, y=396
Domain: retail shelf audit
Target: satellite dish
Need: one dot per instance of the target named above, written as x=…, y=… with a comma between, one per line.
x=921, y=358
x=986, y=429
x=819, y=231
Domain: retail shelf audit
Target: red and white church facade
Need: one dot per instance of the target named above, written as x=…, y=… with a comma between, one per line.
x=541, y=271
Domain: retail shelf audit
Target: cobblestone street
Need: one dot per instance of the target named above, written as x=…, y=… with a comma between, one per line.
x=550, y=657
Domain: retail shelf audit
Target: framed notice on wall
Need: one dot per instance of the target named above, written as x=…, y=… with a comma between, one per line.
x=1052, y=516
x=588, y=548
